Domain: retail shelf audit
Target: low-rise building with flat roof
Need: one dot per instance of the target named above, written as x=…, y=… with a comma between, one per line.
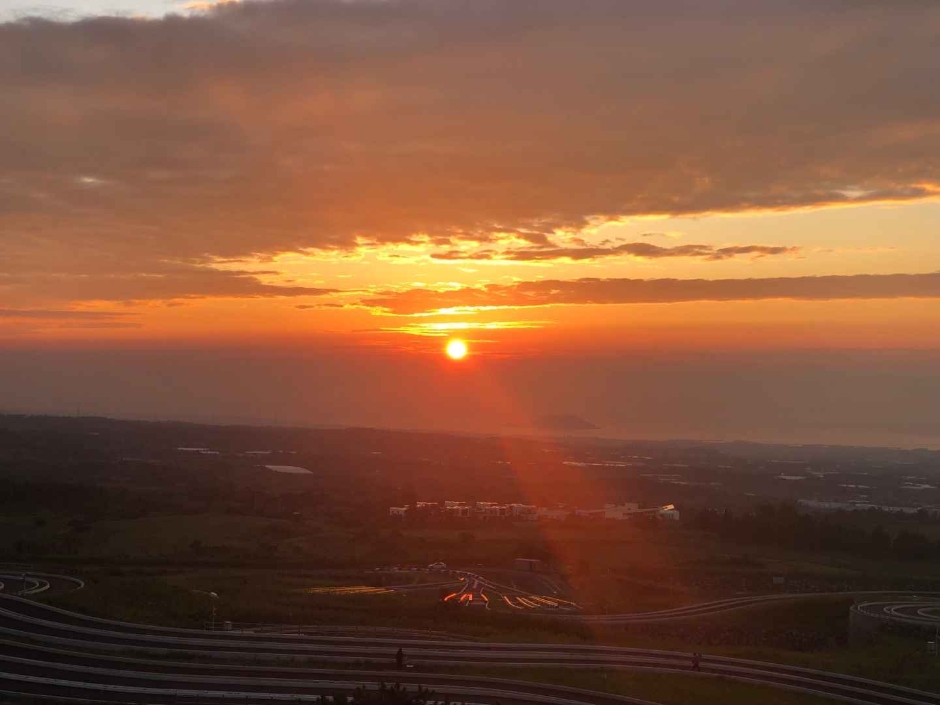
x=530, y=564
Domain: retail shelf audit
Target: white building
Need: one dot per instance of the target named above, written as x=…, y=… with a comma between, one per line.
x=492, y=510
x=668, y=512
x=524, y=511
x=621, y=511
x=549, y=513
x=457, y=509
x=397, y=511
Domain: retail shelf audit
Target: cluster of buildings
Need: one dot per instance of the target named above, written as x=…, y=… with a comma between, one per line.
x=495, y=510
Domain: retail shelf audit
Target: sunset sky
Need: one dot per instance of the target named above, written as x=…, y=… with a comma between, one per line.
x=668, y=219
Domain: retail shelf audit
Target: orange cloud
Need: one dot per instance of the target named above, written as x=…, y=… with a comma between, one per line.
x=644, y=291
x=141, y=282
x=639, y=250
x=446, y=328
x=262, y=128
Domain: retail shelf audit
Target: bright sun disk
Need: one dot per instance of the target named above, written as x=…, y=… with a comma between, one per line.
x=456, y=349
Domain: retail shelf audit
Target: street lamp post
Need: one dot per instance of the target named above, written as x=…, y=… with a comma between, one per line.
x=212, y=598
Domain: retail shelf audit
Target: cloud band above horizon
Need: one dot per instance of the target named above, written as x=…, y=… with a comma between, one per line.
x=657, y=291
x=317, y=126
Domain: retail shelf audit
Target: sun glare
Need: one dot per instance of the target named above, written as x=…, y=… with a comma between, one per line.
x=456, y=349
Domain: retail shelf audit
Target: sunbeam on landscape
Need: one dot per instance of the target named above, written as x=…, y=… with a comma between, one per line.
x=410, y=352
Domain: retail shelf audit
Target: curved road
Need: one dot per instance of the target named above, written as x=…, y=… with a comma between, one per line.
x=50, y=651
x=24, y=585
x=702, y=609
x=917, y=612
x=36, y=583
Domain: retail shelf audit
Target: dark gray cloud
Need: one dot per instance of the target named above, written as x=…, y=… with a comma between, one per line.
x=641, y=250
x=160, y=282
x=650, y=291
x=325, y=304
x=291, y=124
x=16, y=320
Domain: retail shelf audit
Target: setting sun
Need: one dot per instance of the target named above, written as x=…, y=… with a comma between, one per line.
x=456, y=349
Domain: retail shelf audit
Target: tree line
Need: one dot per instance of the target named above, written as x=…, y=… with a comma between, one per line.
x=784, y=526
